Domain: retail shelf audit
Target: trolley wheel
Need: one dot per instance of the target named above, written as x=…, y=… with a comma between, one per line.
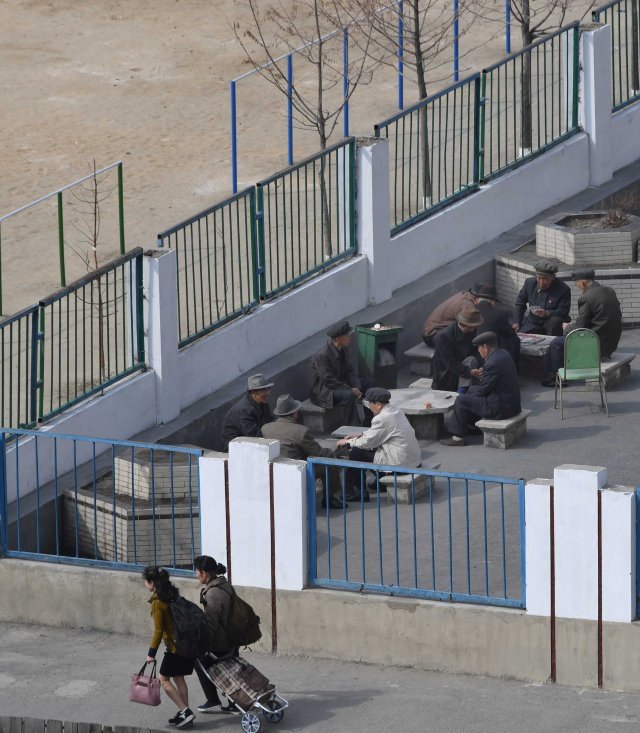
x=275, y=715
x=250, y=723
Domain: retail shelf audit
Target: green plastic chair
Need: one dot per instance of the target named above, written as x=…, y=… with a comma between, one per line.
x=581, y=363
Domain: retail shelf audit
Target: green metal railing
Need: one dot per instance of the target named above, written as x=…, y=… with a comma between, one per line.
x=265, y=239
x=433, y=152
x=530, y=101
x=73, y=344
x=60, y=220
x=622, y=16
x=443, y=147
x=305, y=217
x=216, y=263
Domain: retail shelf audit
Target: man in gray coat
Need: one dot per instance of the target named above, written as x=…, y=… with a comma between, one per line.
x=598, y=310
x=250, y=412
x=297, y=442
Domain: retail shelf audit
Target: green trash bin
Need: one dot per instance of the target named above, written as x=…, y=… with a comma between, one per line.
x=377, y=353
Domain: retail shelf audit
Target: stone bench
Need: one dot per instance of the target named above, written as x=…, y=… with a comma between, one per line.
x=504, y=433
x=402, y=482
x=615, y=371
x=319, y=419
x=420, y=359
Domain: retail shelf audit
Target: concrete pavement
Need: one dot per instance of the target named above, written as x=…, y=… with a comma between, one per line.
x=67, y=674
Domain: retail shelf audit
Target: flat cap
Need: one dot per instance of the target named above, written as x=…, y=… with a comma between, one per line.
x=484, y=290
x=544, y=267
x=340, y=329
x=488, y=337
x=286, y=405
x=469, y=316
x=377, y=394
x=586, y=273
x=257, y=381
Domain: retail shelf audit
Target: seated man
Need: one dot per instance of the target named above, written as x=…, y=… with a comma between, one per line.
x=334, y=380
x=497, y=397
x=444, y=315
x=549, y=301
x=599, y=310
x=390, y=441
x=250, y=412
x=455, y=357
x=297, y=442
x=496, y=319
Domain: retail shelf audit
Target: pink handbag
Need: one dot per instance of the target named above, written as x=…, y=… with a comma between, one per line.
x=145, y=689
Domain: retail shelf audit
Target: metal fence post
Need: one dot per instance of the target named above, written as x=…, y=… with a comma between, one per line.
x=33, y=376
x=257, y=244
x=482, y=103
x=139, y=306
x=41, y=312
x=63, y=278
x=576, y=75
x=121, y=209
x=4, y=523
x=311, y=513
x=478, y=150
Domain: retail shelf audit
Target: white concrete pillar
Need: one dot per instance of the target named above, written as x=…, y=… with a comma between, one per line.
x=596, y=100
x=576, y=490
x=159, y=277
x=374, y=217
x=249, y=506
x=213, y=517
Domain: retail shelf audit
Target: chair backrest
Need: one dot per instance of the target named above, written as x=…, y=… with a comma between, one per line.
x=582, y=350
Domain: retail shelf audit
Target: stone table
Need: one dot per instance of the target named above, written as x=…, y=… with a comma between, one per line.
x=428, y=422
x=534, y=349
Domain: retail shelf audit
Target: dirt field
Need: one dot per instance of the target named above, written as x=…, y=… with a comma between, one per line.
x=146, y=82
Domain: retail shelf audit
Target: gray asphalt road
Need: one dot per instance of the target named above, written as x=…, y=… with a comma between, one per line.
x=73, y=675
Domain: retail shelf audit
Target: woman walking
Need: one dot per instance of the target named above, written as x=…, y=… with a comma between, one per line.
x=216, y=596
x=174, y=667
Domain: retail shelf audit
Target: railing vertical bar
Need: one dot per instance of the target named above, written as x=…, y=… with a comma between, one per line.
x=37, y=467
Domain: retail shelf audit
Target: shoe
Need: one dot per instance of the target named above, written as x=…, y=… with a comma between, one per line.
x=176, y=719
x=186, y=717
x=549, y=380
x=334, y=503
x=356, y=497
x=230, y=708
x=453, y=442
x=208, y=707
x=475, y=431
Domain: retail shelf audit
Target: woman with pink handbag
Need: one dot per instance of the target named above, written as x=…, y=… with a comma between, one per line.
x=174, y=667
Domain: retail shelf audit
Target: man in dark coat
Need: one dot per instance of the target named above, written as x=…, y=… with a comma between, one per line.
x=496, y=319
x=549, y=301
x=250, y=412
x=497, y=397
x=334, y=381
x=444, y=315
x=297, y=442
x=599, y=310
x=455, y=357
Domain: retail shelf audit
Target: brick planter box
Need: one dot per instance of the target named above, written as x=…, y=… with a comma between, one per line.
x=587, y=244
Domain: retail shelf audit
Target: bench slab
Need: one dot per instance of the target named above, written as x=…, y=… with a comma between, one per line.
x=420, y=359
x=423, y=486
x=504, y=433
x=615, y=371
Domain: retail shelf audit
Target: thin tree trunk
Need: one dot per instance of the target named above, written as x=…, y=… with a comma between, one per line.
x=527, y=112
x=425, y=158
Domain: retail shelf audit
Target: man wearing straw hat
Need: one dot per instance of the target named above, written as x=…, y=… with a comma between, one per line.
x=297, y=442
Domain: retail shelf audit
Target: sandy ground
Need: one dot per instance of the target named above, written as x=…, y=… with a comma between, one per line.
x=146, y=82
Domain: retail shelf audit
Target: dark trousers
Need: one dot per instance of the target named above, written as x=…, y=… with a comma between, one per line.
x=468, y=409
x=209, y=689
x=556, y=354
x=429, y=341
x=550, y=327
x=355, y=479
x=349, y=402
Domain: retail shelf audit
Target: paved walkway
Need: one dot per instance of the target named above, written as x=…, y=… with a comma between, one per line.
x=66, y=674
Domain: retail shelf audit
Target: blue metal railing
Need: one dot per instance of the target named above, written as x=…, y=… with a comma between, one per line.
x=113, y=503
x=460, y=537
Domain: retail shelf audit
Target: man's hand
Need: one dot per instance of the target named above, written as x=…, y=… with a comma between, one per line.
x=476, y=373
x=515, y=327
x=356, y=391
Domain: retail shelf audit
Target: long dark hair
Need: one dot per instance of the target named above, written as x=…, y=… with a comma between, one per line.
x=165, y=589
x=210, y=566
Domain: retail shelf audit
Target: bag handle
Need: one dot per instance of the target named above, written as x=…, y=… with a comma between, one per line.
x=153, y=668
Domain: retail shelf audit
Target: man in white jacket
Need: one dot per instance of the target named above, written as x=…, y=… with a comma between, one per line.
x=390, y=441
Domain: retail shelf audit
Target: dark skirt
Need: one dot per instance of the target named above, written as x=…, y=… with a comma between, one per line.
x=173, y=665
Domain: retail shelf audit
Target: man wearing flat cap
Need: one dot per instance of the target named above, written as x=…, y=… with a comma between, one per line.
x=497, y=397
x=598, y=310
x=250, y=412
x=297, y=442
x=549, y=301
x=495, y=318
x=456, y=359
x=390, y=441
x=334, y=381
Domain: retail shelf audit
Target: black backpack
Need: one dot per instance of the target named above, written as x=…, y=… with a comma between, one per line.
x=243, y=624
x=192, y=633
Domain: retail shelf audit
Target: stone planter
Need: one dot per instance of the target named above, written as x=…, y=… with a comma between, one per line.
x=587, y=243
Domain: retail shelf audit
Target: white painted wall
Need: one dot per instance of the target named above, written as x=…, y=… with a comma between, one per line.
x=625, y=130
